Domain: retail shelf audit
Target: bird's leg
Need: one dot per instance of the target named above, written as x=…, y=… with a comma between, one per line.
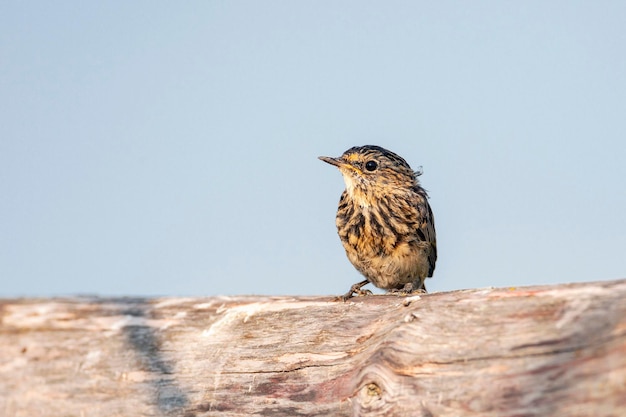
x=356, y=290
x=411, y=287
x=420, y=286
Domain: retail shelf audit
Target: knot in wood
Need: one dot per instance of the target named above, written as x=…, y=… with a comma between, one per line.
x=373, y=390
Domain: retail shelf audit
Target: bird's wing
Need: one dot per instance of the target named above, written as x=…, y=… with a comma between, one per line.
x=426, y=229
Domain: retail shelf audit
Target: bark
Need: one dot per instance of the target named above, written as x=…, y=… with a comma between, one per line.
x=533, y=351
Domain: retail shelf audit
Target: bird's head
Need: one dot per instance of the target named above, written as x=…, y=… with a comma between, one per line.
x=372, y=168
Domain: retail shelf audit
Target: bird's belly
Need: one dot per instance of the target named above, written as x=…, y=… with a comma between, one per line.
x=388, y=269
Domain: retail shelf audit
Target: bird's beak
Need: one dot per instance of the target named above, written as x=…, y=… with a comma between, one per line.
x=333, y=161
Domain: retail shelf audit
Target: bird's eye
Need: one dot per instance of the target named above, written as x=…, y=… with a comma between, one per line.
x=371, y=166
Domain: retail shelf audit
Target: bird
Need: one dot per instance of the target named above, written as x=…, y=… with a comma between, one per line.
x=384, y=221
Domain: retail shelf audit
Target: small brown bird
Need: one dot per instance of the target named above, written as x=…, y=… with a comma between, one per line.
x=384, y=220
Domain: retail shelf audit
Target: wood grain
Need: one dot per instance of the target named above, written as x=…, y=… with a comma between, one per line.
x=533, y=351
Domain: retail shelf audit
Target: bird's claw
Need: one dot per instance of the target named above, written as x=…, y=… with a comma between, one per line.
x=355, y=290
x=407, y=290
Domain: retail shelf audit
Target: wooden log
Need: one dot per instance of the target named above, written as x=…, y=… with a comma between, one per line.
x=533, y=351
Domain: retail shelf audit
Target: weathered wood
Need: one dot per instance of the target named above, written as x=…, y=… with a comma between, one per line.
x=534, y=351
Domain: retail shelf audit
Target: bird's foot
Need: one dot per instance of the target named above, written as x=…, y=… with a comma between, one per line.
x=409, y=288
x=355, y=290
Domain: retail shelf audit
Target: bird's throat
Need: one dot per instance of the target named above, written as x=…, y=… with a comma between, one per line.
x=357, y=192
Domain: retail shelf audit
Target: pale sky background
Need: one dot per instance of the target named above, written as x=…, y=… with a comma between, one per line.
x=170, y=148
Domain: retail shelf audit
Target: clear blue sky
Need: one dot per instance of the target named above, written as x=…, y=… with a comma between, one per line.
x=170, y=148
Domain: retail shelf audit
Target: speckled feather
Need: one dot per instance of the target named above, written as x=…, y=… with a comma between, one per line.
x=384, y=220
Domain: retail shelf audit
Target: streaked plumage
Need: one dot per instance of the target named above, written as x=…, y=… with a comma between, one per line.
x=384, y=220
